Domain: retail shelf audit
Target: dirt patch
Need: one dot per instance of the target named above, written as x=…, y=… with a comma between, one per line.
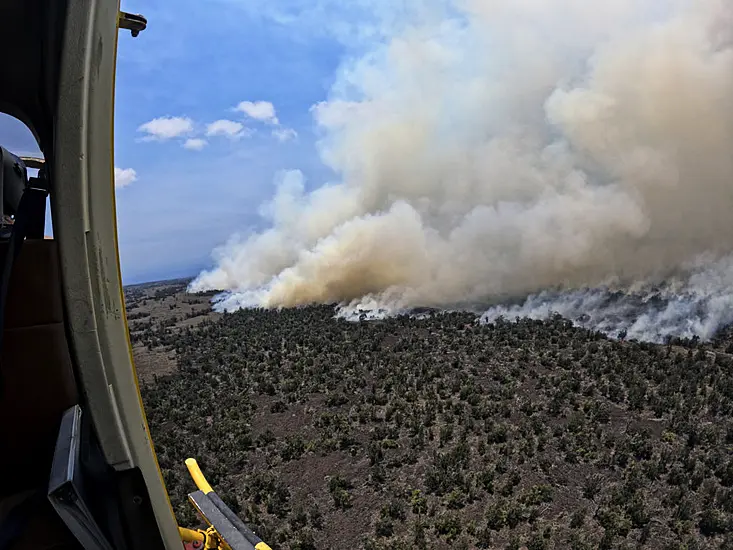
x=153, y=363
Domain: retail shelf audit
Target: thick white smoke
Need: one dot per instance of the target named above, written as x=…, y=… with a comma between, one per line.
x=494, y=148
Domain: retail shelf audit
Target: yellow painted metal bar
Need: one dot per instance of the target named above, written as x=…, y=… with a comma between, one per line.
x=190, y=535
x=214, y=540
x=198, y=476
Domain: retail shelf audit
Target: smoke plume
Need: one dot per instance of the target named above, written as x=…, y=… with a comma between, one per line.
x=492, y=149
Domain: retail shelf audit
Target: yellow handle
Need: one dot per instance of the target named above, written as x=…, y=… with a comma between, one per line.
x=198, y=476
x=189, y=535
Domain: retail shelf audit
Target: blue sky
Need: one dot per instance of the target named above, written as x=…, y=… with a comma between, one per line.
x=198, y=61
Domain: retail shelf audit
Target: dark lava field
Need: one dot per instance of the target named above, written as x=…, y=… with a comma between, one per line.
x=438, y=432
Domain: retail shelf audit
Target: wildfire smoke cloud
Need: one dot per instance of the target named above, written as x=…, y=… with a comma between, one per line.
x=495, y=148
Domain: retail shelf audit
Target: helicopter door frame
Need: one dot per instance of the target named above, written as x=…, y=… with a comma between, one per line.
x=85, y=226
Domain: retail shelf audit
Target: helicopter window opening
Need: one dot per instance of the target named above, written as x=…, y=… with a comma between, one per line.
x=18, y=140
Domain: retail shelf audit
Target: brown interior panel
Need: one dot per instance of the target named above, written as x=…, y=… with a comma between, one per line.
x=37, y=380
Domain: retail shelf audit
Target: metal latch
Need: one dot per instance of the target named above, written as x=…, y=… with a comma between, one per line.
x=135, y=23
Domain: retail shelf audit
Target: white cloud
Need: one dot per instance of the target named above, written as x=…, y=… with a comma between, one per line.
x=195, y=144
x=227, y=128
x=263, y=111
x=284, y=134
x=124, y=177
x=167, y=127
